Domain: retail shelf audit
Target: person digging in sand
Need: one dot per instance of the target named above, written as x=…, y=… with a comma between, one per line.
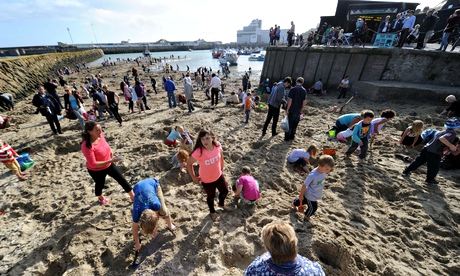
x=148, y=206
x=312, y=189
x=300, y=158
x=100, y=161
x=8, y=157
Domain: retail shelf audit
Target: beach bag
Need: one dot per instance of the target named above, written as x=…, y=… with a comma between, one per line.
x=285, y=124
x=25, y=162
x=428, y=134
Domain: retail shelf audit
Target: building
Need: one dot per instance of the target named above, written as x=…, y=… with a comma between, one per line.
x=253, y=34
x=372, y=12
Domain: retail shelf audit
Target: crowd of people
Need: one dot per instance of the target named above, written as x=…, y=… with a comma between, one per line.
x=403, y=25
x=207, y=152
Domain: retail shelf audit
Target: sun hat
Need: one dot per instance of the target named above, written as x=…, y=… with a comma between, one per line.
x=451, y=99
x=452, y=123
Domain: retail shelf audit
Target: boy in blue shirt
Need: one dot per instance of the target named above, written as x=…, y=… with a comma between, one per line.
x=312, y=190
x=148, y=206
x=361, y=134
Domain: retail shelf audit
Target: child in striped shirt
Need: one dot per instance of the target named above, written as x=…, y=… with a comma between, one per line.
x=8, y=157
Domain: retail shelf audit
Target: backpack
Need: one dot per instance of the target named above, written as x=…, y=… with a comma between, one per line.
x=428, y=134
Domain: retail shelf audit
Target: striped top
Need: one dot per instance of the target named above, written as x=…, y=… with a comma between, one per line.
x=7, y=153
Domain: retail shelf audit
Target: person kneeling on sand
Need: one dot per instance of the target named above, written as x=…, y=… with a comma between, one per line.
x=431, y=154
x=301, y=157
x=148, y=206
x=247, y=188
x=8, y=157
x=312, y=189
x=232, y=99
x=280, y=240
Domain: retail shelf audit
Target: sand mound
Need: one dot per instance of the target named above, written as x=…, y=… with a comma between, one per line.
x=371, y=221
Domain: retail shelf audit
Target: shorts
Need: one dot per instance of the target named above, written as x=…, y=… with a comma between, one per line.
x=170, y=143
x=14, y=167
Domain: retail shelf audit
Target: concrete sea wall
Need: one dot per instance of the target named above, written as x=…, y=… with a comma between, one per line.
x=21, y=75
x=375, y=66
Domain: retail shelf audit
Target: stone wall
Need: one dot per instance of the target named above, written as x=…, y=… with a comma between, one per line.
x=21, y=75
x=362, y=64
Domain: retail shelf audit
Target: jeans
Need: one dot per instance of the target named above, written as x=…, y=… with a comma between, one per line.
x=131, y=105
x=101, y=109
x=432, y=161
x=246, y=115
x=190, y=106
x=114, y=172
x=214, y=95
x=144, y=99
x=444, y=41
x=355, y=145
x=80, y=118
x=312, y=206
x=172, y=99
x=273, y=112
x=210, y=188
x=343, y=92
x=53, y=121
x=293, y=120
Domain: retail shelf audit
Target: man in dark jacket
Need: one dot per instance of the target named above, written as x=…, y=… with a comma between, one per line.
x=274, y=104
x=397, y=23
x=51, y=86
x=47, y=107
x=297, y=98
x=427, y=25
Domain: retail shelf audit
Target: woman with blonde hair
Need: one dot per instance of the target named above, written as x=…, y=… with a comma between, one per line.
x=411, y=137
x=280, y=240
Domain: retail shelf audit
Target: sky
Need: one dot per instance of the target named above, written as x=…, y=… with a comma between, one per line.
x=45, y=22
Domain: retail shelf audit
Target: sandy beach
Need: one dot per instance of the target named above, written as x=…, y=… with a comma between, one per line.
x=371, y=221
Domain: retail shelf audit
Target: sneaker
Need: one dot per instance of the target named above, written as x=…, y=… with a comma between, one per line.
x=103, y=201
x=431, y=181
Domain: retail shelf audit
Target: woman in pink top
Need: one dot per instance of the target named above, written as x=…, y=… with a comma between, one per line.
x=100, y=161
x=209, y=155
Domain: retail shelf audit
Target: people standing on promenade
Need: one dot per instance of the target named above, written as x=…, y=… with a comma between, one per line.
x=73, y=103
x=154, y=84
x=210, y=157
x=277, y=35
x=297, y=99
x=100, y=161
x=397, y=24
x=407, y=27
x=275, y=100
x=113, y=100
x=170, y=88
x=385, y=25
x=343, y=87
x=427, y=25
x=48, y=107
x=271, y=35
x=291, y=33
x=215, y=85
x=452, y=22
x=128, y=97
x=148, y=206
x=188, y=91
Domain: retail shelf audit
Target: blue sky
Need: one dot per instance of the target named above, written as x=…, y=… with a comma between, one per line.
x=45, y=22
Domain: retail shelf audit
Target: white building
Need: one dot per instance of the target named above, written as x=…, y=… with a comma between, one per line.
x=253, y=33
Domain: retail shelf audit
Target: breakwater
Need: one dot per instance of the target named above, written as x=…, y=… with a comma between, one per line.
x=21, y=75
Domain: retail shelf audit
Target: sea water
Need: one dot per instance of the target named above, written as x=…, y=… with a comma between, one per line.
x=194, y=59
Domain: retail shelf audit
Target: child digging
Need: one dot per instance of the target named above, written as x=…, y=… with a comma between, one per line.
x=361, y=134
x=312, y=189
x=247, y=188
x=300, y=158
x=8, y=157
